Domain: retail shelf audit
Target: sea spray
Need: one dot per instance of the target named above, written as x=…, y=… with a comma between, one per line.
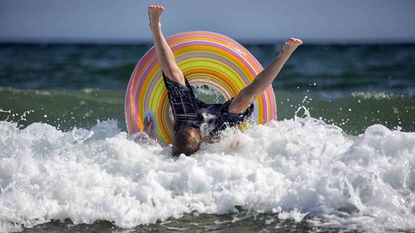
x=302, y=169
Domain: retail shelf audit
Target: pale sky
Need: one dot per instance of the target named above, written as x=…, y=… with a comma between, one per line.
x=100, y=21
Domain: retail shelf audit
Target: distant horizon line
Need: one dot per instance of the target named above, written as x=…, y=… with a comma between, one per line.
x=100, y=41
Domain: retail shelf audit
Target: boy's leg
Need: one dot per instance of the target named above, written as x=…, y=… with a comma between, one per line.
x=247, y=96
x=164, y=53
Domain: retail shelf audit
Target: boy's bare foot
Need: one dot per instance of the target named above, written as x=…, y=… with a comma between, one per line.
x=154, y=12
x=290, y=45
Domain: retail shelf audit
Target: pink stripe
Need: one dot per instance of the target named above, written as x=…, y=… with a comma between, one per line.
x=223, y=48
x=141, y=82
x=133, y=80
x=140, y=65
x=237, y=69
x=264, y=97
x=150, y=89
x=187, y=35
x=250, y=57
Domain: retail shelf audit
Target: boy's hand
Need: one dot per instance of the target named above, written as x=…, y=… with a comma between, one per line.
x=148, y=125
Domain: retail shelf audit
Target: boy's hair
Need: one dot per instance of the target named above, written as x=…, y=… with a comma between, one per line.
x=187, y=141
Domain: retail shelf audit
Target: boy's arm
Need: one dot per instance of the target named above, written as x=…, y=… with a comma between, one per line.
x=146, y=136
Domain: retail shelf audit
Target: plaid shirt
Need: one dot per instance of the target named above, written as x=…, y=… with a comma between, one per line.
x=183, y=103
x=188, y=110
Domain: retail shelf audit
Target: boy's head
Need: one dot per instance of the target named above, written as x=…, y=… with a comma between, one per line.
x=187, y=141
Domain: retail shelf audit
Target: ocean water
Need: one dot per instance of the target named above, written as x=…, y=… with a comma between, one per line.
x=340, y=156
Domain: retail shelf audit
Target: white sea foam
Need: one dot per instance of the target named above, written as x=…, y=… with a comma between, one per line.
x=293, y=168
x=376, y=95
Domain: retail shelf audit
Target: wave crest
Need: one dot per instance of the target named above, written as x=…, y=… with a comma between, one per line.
x=296, y=169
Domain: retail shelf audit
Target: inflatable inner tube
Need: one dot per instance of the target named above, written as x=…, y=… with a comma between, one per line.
x=208, y=60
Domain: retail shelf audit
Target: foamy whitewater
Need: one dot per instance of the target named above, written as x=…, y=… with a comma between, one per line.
x=301, y=169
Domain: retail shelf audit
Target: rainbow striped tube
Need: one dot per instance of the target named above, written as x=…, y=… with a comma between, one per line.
x=206, y=58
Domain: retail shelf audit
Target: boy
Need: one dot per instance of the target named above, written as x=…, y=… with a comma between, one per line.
x=188, y=111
